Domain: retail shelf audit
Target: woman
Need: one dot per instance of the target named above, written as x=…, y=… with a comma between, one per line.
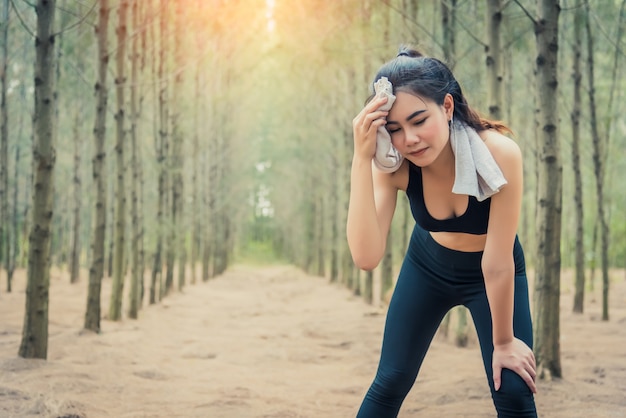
x=463, y=251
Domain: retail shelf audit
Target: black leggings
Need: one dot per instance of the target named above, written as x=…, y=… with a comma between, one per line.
x=433, y=279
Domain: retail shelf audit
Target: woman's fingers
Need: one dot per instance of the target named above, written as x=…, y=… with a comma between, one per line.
x=530, y=380
x=371, y=107
x=518, y=357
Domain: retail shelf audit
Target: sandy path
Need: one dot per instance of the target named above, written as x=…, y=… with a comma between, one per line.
x=272, y=342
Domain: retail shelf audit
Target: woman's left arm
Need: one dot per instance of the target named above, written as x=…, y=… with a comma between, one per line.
x=498, y=265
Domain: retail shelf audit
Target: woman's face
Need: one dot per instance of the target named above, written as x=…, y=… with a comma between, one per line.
x=419, y=127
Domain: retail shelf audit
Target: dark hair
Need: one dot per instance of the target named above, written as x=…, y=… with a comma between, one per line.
x=427, y=77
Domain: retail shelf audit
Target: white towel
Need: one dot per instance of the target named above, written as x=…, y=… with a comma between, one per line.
x=387, y=158
x=476, y=172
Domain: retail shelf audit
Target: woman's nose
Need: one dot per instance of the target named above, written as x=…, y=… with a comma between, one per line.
x=411, y=138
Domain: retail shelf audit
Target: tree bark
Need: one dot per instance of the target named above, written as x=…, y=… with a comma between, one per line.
x=336, y=209
x=161, y=139
x=320, y=237
x=96, y=271
x=76, y=247
x=493, y=59
x=5, y=230
x=34, y=342
x=196, y=220
x=448, y=25
x=548, y=264
x=136, y=269
x=598, y=168
x=119, y=237
x=164, y=119
x=178, y=145
x=11, y=264
x=579, y=287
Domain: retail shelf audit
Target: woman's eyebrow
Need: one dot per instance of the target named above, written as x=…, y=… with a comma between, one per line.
x=414, y=114
x=411, y=116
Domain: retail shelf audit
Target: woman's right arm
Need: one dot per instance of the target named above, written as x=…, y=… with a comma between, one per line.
x=372, y=194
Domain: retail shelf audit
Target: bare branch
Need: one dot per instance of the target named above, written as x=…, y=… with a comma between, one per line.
x=526, y=12
x=19, y=16
x=81, y=20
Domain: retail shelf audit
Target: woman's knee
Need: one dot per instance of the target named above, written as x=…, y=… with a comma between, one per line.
x=514, y=398
x=392, y=383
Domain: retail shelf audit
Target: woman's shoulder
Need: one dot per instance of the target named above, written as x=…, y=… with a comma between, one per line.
x=504, y=149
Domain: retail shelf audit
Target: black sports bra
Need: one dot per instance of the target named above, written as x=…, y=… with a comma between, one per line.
x=473, y=221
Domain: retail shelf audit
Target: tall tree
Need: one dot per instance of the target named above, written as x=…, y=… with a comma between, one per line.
x=119, y=237
x=34, y=342
x=493, y=59
x=196, y=219
x=136, y=269
x=178, y=145
x=161, y=145
x=74, y=260
x=96, y=271
x=5, y=243
x=598, y=166
x=579, y=287
x=548, y=257
x=448, y=26
x=77, y=189
x=11, y=263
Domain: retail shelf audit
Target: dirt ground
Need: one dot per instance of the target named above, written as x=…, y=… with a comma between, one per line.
x=273, y=342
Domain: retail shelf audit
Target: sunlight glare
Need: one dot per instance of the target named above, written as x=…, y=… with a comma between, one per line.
x=269, y=14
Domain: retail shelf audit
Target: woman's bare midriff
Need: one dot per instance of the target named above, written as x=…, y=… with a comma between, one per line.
x=459, y=241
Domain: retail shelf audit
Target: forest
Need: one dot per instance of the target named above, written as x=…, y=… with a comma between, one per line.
x=159, y=143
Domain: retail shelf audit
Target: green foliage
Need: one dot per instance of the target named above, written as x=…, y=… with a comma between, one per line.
x=258, y=253
x=285, y=98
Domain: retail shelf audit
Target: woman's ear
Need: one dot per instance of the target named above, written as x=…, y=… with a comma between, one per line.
x=448, y=105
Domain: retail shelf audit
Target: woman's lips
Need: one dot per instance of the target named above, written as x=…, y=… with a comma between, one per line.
x=418, y=153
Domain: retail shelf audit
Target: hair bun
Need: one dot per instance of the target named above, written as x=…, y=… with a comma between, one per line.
x=406, y=51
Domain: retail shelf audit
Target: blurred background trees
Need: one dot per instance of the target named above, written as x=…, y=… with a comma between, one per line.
x=192, y=134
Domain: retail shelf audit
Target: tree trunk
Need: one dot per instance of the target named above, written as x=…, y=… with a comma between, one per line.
x=207, y=198
x=34, y=342
x=5, y=230
x=14, y=221
x=210, y=251
x=164, y=118
x=136, y=275
x=320, y=237
x=598, y=169
x=196, y=220
x=156, y=259
x=96, y=271
x=367, y=290
x=111, y=235
x=448, y=24
x=579, y=288
x=493, y=59
x=548, y=264
x=178, y=145
x=162, y=156
x=336, y=209
x=75, y=249
x=119, y=238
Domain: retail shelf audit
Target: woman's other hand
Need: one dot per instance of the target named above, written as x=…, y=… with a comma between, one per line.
x=516, y=356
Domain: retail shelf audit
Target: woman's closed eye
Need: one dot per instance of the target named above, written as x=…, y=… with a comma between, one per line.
x=394, y=128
